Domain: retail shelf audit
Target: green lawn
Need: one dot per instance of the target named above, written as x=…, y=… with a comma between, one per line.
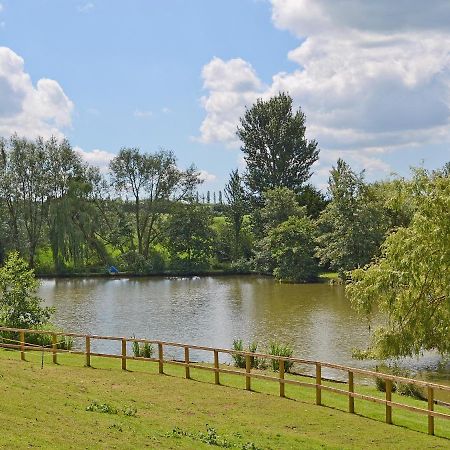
x=46, y=408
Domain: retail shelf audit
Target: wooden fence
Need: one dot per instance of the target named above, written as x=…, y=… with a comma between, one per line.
x=430, y=388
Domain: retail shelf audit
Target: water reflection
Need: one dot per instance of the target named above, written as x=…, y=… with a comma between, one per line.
x=314, y=318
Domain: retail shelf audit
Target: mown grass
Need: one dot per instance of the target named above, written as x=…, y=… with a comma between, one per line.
x=46, y=408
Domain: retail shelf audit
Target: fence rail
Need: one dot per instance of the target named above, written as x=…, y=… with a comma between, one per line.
x=23, y=346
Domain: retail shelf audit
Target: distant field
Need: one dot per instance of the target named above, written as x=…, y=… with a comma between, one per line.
x=46, y=408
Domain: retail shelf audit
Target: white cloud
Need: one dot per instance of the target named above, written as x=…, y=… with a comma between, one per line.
x=1, y=8
x=26, y=109
x=232, y=85
x=96, y=157
x=142, y=114
x=86, y=7
x=207, y=177
x=372, y=77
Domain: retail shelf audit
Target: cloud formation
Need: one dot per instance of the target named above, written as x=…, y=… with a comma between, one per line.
x=26, y=109
x=372, y=77
x=96, y=157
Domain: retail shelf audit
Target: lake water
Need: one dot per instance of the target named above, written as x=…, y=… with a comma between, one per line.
x=315, y=319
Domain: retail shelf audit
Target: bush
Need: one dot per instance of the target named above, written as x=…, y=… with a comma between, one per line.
x=409, y=389
x=277, y=349
x=241, y=265
x=143, y=350
x=239, y=360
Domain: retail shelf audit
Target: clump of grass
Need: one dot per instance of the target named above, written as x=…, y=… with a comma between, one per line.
x=211, y=437
x=130, y=411
x=408, y=389
x=239, y=360
x=277, y=349
x=101, y=408
x=143, y=350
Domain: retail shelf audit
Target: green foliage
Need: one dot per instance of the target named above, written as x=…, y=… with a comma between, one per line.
x=275, y=148
x=352, y=226
x=239, y=360
x=19, y=305
x=144, y=350
x=190, y=237
x=235, y=210
x=278, y=349
x=410, y=282
x=292, y=247
x=153, y=180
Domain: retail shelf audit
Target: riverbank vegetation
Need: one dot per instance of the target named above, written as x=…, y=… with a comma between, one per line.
x=146, y=215
x=137, y=408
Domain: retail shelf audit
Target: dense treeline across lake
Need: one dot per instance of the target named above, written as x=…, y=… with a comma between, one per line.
x=146, y=215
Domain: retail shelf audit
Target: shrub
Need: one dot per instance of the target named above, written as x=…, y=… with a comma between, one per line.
x=277, y=349
x=409, y=389
x=239, y=360
x=143, y=350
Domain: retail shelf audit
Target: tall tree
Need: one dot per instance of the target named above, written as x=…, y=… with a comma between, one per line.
x=153, y=180
x=352, y=226
x=25, y=189
x=410, y=282
x=276, y=150
x=235, y=209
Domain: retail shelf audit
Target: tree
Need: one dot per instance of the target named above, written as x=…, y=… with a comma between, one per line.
x=276, y=150
x=189, y=236
x=292, y=246
x=25, y=189
x=352, y=226
x=235, y=209
x=410, y=282
x=313, y=199
x=153, y=180
x=19, y=305
x=279, y=205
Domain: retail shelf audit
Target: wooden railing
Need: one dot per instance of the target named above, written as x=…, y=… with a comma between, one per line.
x=23, y=346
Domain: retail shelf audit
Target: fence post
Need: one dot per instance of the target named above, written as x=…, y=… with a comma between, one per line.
x=54, y=348
x=22, y=345
x=351, y=400
x=216, y=367
x=124, y=354
x=388, y=399
x=318, y=384
x=248, y=366
x=281, y=364
x=186, y=361
x=88, y=351
x=430, y=408
x=161, y=357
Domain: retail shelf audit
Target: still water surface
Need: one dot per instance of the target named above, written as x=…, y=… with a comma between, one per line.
x=316, y=319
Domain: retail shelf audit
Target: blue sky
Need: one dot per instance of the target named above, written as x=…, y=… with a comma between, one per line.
x=178, y=74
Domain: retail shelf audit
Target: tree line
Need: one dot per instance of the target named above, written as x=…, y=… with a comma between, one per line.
x=146, y=215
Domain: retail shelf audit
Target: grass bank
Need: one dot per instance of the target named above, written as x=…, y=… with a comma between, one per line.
x=47, y=408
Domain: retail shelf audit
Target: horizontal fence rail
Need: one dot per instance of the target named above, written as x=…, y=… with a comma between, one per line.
x=23, y=346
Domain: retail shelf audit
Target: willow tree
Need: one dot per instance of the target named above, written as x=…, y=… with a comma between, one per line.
x=410, y=281
x=153, y=180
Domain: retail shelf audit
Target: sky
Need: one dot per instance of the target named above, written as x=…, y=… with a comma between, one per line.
x=373, y=78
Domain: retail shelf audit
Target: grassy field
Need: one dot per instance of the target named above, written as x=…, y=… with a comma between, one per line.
x=47, y=408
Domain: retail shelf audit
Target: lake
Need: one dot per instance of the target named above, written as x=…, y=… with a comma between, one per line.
x=315, y=319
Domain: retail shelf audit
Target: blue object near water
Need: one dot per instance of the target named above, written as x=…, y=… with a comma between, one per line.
x=113, y=269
